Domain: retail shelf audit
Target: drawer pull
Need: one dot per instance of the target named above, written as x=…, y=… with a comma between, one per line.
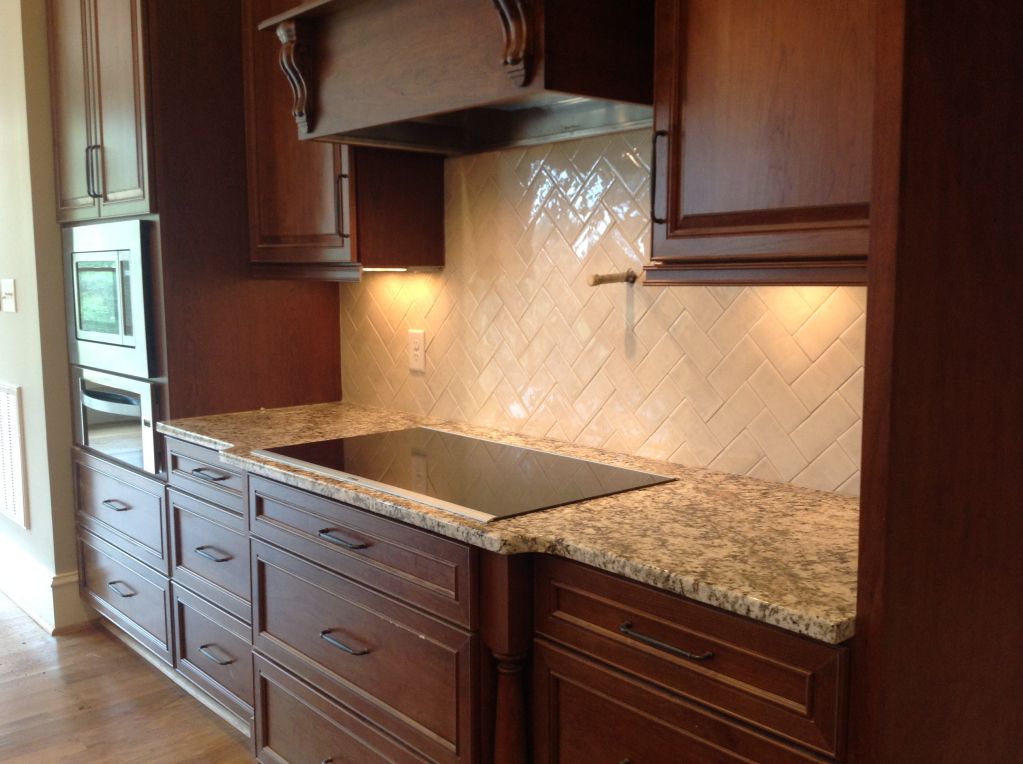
x=205, y=650
x=325, y=636
x=328, y=761
x=626, y=629
x=126, y=591
x=222, y=557
x=209, y=475
x=329, y=535
x=114, y=504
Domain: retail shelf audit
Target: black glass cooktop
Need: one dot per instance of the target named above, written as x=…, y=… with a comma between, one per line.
x=476, y=478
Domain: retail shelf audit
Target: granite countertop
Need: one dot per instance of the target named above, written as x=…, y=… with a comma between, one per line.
x=776, y=553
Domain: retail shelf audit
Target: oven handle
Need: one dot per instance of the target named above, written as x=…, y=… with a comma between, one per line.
x=112, y=403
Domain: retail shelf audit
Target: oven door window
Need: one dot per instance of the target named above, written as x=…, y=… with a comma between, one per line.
x=103, y=298
x=115, y=423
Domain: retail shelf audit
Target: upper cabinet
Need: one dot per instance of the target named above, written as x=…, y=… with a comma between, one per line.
x=762, y=141
x=98, y=84
x=323, y=210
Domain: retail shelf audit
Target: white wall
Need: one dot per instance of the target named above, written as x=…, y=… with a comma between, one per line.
x=36, y=565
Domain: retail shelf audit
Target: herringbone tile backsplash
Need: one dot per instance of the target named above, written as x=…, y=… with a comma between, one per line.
x=763, y=381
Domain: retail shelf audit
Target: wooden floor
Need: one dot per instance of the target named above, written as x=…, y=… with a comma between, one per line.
x=85, y=697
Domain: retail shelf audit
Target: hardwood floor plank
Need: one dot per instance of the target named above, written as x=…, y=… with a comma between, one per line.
x=84, y=697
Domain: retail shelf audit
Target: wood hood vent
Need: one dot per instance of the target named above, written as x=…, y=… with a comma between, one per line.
x=463, y=76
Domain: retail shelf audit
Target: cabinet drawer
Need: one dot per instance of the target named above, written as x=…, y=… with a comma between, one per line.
x=214, y=650
x=404, y=671
x=130, y=594
x=585, y=712
x=123, y=507
x=792, y=686
x=199, y=471
x=295, y=723
x=415, y=566
x=211, y=553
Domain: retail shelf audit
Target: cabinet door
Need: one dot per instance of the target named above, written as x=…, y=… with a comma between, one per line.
x=299, y=200
x=121, y=161
x=762, y=143
x=70, y=84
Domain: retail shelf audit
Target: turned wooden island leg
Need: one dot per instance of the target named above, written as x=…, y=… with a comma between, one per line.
x=507, y=626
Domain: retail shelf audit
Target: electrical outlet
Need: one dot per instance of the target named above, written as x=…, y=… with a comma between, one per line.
x=416, y=350
x=8, y=301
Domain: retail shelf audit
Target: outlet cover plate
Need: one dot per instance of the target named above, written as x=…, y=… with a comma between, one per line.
x=417, y=350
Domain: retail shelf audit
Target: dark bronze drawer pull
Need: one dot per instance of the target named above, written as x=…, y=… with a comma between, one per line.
x=325, y=636
x=626, y=629
x=329, y=535
x=114, y=504
x=653, y=178
x=205, y=650
x=223, y=557
x=209, y=475
x=121, y=593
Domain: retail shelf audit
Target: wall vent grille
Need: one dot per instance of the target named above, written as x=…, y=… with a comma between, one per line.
x=13, y=501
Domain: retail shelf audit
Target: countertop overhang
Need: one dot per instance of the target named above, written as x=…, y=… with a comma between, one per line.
x=777, y=553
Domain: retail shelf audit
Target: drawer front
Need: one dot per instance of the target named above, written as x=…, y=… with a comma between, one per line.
x=214, y=650
x=404, y=671
x=415, y=566
x=792, y=686
x=586, y=712
x=199, y=471
x=211, y=553
x=294, y=723
x=127, y=592
x=122, y=507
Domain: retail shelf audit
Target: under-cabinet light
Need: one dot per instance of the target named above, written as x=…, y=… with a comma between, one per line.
x=384, y=270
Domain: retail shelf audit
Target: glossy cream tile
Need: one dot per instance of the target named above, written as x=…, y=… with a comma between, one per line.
x=739, y=379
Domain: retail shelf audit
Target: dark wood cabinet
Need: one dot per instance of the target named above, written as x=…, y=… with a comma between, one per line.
x=320, y=210
x=100, y=114
x=750, y=678
x=762, y=141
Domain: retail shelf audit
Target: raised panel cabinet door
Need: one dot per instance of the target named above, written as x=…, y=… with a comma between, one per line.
x=299, y=192
x=121, y=159
x=72, y=115
x=762, y=140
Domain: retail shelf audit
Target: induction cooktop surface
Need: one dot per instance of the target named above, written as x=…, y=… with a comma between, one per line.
x=472, y=477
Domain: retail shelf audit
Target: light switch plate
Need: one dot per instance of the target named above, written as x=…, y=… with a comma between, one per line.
x=8, y=300
x=417, y=350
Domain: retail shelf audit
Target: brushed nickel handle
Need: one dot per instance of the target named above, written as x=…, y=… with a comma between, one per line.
x=210, y=476
x=653, y=177
x=223, y=557
x=205, y=650
x=325, y=636
x=627, y=630
x=114, y=504
x=119, y=591
x=330, y=535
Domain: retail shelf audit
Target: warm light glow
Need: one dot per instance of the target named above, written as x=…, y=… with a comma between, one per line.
x=384, y=270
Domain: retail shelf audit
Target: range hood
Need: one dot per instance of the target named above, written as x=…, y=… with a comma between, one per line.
x=463, y=76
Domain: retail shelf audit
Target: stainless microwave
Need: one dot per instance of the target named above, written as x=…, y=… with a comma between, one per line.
x=106, y=273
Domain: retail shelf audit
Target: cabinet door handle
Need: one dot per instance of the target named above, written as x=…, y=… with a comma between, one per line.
x=222, y=557
x=328, y=534
x=339, y=200
x=209, y=475
x=97, y=171
x=88, y=173
x=653, y=177
x=205, y=650
x=325, y=636
x=126, y=591
x=114, y=504
x=627, y=630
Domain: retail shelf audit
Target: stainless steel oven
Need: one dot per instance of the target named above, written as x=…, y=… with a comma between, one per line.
x=114, y=416
x=106, y=270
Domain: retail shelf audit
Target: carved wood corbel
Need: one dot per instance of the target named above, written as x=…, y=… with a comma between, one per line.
x=291, y=58
x=515, y=24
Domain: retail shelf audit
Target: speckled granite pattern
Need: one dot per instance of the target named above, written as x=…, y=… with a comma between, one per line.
x=777, y=553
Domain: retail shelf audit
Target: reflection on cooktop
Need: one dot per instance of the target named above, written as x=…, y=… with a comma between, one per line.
x=476, y=478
